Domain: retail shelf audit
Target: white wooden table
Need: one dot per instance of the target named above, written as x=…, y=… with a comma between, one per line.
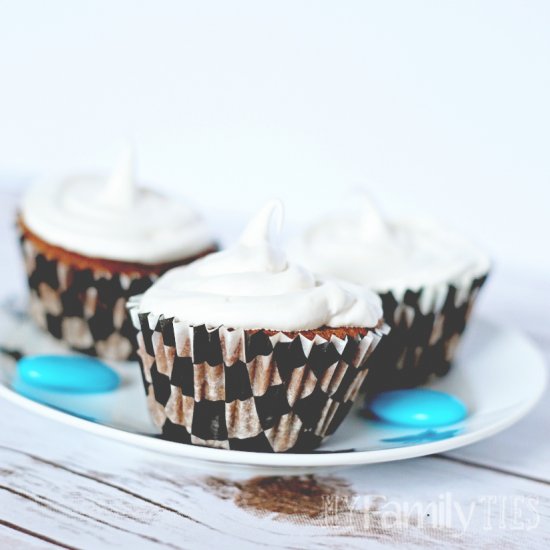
x=61, y=487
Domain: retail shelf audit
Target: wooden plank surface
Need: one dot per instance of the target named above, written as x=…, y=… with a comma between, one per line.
x=55, y=477
x=82, y=491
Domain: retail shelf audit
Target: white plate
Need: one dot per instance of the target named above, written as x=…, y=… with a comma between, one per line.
x=499, y=374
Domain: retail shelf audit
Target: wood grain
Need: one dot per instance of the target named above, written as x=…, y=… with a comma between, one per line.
x=15, y=537
x=82, y=491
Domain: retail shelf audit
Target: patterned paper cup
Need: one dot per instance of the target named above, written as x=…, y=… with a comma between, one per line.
x=81, y=300
x=426, y=327
x=259, y=390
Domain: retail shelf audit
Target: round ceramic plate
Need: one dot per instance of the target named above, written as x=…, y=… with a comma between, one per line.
x=499, y=374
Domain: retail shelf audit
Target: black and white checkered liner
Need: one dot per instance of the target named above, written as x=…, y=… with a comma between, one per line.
x=421, y=343
x=83, y=307
x=251, y=391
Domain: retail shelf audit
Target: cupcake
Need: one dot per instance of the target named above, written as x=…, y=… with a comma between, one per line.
x=243, y=350
x=89, y=243
x=427, y=277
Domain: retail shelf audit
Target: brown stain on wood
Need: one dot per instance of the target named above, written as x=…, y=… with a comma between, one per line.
x=282, y=495
x=330, y=502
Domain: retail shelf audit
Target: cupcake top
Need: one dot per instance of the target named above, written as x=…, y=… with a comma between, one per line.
x=251, y=285
x=113, y=219
x=388, y=255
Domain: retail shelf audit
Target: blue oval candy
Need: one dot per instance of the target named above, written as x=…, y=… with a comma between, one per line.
x=417, y=408
x=66, y=373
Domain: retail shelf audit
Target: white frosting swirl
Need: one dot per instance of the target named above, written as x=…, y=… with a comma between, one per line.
x=113, y=219
x=252, y=286
x=387, y=255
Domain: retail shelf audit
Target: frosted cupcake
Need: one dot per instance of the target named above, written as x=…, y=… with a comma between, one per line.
x=89, y=243
x=244, y=350
x=428, y=278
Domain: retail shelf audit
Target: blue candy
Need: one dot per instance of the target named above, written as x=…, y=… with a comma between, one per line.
x=417, y=408
x=66, y=373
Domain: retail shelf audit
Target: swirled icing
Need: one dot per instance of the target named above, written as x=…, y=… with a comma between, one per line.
x=114, y=219
x=386, y=255
x=251, y=285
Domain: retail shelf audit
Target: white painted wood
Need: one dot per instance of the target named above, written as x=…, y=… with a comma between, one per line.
x=520, y=299
x=88, y=492
x=523, y=449
x=14, y=539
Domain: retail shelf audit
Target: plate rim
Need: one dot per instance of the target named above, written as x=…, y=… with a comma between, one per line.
x=299, y=460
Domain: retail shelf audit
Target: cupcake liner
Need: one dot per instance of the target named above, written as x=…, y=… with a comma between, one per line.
x=426, y=327
x=84, y=307
x=259, y=390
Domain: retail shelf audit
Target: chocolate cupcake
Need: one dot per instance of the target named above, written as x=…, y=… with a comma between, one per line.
x=242, y=350
x=427, y=277
x=89, y=243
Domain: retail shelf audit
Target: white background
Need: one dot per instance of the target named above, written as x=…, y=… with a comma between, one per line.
x=442, y=107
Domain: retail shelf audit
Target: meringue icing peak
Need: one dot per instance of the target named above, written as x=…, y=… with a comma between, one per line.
x=268, y=222
x=120, y=189
x=372, y=225
x=251, y=285
x=263, y=235
x=365, y=248
x=113, y=218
